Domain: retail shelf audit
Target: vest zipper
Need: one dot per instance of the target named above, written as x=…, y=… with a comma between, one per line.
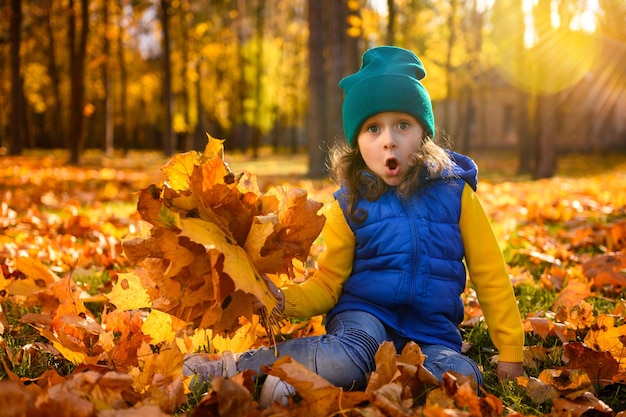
x=415, y=252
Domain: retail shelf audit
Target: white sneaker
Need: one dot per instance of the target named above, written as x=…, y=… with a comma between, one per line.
x=204, y=367
x=275, y=390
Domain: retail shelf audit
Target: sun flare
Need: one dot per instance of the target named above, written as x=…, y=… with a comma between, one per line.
x=553, y=57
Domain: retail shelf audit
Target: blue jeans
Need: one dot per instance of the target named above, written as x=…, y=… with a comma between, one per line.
x=344, y=356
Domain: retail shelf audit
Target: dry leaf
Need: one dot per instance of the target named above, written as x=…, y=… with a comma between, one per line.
x=585, y=404
x=386, y=370
x=600, y=366
x=319, y=397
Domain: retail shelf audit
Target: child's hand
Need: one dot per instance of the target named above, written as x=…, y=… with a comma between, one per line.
x=509, y=370
x=276, y=292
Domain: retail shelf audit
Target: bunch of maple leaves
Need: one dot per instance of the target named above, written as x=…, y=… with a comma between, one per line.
x=212, y=235
x=192, y=272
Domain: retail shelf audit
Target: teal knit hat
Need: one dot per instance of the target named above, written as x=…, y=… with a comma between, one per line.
x=388, y=80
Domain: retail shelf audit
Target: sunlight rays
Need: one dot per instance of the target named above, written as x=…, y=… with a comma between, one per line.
x=561, y=59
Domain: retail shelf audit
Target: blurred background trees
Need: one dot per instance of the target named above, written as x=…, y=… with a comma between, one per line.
x=539, y=77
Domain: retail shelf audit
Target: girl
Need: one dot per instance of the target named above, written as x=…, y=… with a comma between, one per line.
x=405, y=224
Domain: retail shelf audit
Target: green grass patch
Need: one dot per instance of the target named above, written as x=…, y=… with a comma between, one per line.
x=23, y=349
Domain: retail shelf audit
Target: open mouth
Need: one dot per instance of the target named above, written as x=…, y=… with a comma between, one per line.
x=392, y=164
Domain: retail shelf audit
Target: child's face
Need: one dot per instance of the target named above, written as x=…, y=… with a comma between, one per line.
x=387, y=141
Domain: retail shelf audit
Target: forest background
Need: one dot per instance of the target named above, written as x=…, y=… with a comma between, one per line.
x=540, y=77
x=102, y=99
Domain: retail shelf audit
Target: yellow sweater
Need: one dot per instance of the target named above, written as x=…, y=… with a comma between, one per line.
x=483, y=257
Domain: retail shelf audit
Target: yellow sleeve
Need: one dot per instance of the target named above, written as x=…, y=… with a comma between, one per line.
x=488, y=274
x=320, y=293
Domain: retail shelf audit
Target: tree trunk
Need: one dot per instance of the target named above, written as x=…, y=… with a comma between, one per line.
x=469, y=121
x=447, y=126
x=524, y=132
x=335, y=47
x=199, y=134
x=260, y=27
x=108, y=100
x=17, y=122
x=545, y=156
x=58, y=136
x=77, y=62
x=122, y=134
x=315, y=117
x=169, y=139
x=474, y=39
x=352, y=54
x=185, y=89
x=390, y=36
x=240, y=129
x=545, y=149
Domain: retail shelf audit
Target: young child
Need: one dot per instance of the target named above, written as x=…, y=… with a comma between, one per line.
x=404, y=225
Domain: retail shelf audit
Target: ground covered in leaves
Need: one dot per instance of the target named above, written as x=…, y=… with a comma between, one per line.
x=111, y=272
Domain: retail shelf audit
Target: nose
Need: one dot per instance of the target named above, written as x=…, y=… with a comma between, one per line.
x=389, y=141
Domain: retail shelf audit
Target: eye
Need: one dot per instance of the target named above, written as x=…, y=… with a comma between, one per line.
x=373, y=129
x=403, y=125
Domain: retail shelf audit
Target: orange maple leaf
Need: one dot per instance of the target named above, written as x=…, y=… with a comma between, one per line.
x=319, y=397
x=600, y=366
x=607, y=271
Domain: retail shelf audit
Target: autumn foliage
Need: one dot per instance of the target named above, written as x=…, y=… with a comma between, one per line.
x=211, y=236
x=110, y=301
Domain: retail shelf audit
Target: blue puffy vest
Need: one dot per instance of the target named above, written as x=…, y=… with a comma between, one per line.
x=408, y=266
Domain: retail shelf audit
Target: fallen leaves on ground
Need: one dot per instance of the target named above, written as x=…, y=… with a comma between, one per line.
x=122, y=295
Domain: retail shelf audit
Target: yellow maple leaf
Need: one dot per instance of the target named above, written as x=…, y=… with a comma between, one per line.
x=129, y=293
x=611, y=341
x=22, y=287
x=237, y=264
x=241, y=340
x=214, y=147
x=178, y=170
x=159, y=326
x=35, y=269
x=71, y=355
x=167, y=363
x=570, y=383
x=71, y=351
x=199, y=341
x=38, y=276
